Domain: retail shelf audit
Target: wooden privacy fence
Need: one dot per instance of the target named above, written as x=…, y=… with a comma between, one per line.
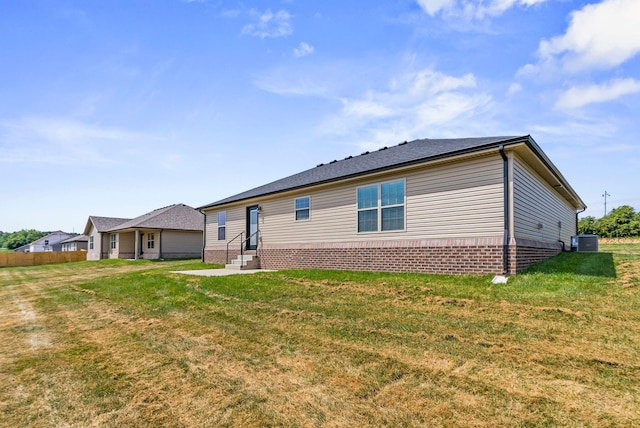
x=41, y=258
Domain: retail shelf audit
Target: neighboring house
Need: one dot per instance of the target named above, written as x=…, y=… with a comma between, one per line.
x=166, y=233
x=468, y=205
x=75, y=243
x=50, y=242
x=22, y=249
x=97, y=233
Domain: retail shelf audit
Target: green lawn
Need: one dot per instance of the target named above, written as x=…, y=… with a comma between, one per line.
x=123, y=343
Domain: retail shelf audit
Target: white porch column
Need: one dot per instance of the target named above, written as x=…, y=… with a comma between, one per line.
x=136, y=245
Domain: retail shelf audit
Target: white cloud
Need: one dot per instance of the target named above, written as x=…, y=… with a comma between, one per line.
x=514, y=88
x=415, y=105
x=62, y=141
x=578, y=133
x=278, y=83
x=269, y=24
x=230, y=13
x=434, y=6
x=618, y=148
x=600, y=36
x=579, y=96
x=365, y=109
x=303, y=49
x=473, y=9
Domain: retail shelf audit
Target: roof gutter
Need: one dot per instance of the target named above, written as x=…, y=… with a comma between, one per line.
x=506, y=203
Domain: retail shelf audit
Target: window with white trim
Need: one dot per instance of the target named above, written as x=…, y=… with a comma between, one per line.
x=303, y=208
x=91, y=242
x=381, y=207
x=113, y=241
x=222, y=225
x=151, y=241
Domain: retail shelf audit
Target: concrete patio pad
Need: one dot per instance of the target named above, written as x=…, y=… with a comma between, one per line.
x=221, y=272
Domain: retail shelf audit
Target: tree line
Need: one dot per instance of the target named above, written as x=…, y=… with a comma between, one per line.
x=621, y=222
x=13, y=240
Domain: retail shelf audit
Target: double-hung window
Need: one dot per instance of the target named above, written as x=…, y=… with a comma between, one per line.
x=381, y=207
x=113, y=241
x=303, y=208
x=91, y=242
x=151, y=241
x=222, y=225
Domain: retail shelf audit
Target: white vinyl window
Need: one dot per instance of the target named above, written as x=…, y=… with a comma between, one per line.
x=303, y=208
x=113, y=241
x=91, y=242
x=381, y=207
x=151, y=241
x=222, y=225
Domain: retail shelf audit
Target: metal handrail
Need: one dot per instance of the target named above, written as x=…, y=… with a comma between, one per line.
x=243, y=242
x=229, y=243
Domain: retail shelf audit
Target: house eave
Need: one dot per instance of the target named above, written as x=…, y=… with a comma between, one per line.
x=133, y=229
x=561, y=185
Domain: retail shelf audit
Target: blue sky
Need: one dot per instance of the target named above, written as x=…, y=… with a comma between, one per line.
x=116, y=108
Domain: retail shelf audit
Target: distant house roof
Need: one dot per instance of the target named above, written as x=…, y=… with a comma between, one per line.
x=174, y=217
x=56, y=234
x=77, y=238
x=102, y=224
x=403, y=154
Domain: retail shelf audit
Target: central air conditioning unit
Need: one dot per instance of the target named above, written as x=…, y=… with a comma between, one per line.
x=584, y=243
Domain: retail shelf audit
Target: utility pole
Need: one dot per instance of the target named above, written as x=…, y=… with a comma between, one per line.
x=605, y=202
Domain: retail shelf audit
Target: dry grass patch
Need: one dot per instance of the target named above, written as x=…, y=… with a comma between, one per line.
x=130, y=344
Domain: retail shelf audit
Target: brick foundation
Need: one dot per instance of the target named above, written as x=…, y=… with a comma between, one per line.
x=456, y=260
x=523, y=253
x=449, y=256
x=220, y=256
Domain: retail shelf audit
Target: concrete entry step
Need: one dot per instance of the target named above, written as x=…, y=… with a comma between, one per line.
x=244, y=262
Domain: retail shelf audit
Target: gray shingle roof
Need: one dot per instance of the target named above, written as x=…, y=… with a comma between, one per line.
x=77, y=238
x=102, y=224
x=403, y=154
x=49, y=236
x=174, y=217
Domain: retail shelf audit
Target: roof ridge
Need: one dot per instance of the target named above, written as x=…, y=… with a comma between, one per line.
x=160, y=216
x=402, y=154
x=368, y=152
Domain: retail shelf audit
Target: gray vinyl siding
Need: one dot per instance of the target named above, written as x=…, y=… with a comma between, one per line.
x=535, y=202
x=181, y=243
x=451, y=200
x=94, y=254
x=236, y=222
